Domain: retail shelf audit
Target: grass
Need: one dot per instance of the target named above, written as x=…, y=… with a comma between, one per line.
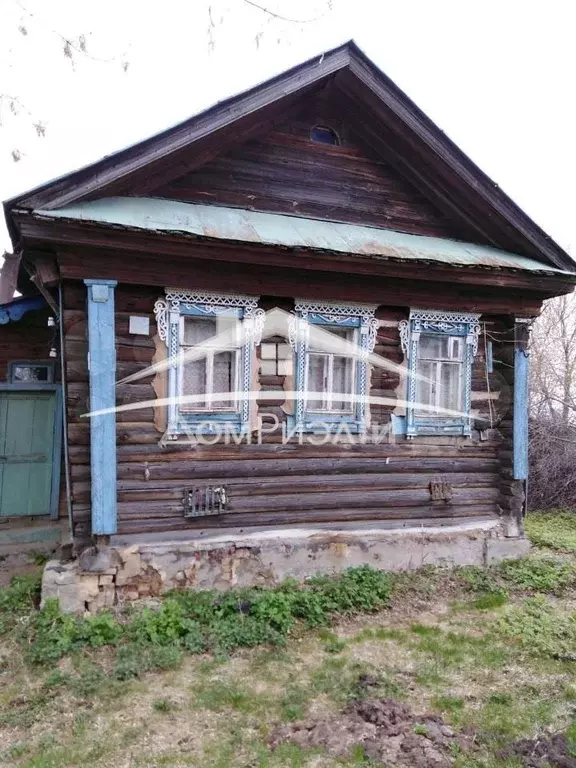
x=554, y=530
x=205, y=679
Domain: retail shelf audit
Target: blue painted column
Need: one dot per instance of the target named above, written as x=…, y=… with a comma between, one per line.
x=521, y=368
x=102, y=372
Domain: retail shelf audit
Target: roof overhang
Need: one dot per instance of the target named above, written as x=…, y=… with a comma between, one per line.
x=15, y=310
x=257, y=228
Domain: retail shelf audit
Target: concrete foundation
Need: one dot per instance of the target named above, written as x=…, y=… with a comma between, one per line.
x=129, y=570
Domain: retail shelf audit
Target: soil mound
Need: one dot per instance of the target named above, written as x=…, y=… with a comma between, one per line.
x=387, y=730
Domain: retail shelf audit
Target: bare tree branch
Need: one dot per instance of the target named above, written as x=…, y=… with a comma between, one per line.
x=284, y=18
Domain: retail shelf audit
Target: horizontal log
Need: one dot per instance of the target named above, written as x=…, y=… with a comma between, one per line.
x=409, y=515
x=418, y=448
x=240, y=470
x=415, y=449
x=136, y=490
x=371, y=499
x=193, y=470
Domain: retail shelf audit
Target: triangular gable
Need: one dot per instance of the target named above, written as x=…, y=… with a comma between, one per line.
x=389, y=123
x=340, y=180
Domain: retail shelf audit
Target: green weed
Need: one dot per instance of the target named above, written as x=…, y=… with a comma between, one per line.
x=541, y=628
x=538, y=574
x=331, y=642
x=164, y=706
x=197, y=621
x=553, y=530
x=294, y=703
x=18, y=600
x=219, y=695
x=447, y=703
x=456, y=649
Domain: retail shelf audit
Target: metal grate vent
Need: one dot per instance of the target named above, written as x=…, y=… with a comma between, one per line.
x=201, y=502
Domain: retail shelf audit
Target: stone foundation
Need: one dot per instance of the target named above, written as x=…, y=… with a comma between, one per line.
x=128, y=571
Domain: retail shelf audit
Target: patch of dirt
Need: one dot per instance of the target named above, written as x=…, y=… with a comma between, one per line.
x=553, y=752
x=15, y=565
x=389, y=732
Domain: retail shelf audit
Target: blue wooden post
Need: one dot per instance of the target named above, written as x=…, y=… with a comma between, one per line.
x=521, y=409
x=102, y=369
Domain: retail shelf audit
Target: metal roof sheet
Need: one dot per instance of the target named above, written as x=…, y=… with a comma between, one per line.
x=242, y=225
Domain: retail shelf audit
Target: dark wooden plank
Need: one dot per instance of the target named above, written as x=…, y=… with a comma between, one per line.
x=134, y=490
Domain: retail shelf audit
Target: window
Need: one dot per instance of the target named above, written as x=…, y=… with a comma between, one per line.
x=30, y=373
x=322, y=134
x=331, y=374
x=332, y=343
x=440, y=348
x=211, y=340
x=209, y=382
x=276, y=359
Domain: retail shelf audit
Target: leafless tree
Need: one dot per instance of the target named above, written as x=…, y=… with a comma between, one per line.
x=553, y=405
x=30, y=21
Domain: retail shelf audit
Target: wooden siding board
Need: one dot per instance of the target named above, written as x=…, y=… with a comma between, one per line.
x=102, y=371
x=287, y=173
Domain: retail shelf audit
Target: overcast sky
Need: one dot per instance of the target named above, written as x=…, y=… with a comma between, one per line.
x=497, y=77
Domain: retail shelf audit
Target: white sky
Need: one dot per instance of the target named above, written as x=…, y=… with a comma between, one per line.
x=496, y=75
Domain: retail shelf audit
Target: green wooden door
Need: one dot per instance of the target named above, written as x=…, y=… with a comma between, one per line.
x=26, y=452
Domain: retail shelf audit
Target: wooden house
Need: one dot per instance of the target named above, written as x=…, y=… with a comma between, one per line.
x=293, y=338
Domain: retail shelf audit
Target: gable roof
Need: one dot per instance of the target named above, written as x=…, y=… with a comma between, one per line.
x=387, y=120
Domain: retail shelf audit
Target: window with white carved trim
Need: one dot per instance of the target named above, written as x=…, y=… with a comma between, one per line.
x=210, y=340
x=440, y=347
x=332, y=343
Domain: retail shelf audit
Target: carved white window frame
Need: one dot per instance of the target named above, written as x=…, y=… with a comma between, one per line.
x=324, y=313
x=445, y=323
x=169, y=311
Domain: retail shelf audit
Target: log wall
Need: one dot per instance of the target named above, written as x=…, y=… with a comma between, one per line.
x=273, y=483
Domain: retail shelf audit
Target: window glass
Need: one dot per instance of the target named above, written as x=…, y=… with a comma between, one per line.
x=330, y=373
x=224, y=379
x=214, y=373
x=439, y=375
x=30, y=373
x=198, y=330
x=194, y=381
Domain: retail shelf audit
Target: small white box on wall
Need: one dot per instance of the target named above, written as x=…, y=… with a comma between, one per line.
x=139, y=326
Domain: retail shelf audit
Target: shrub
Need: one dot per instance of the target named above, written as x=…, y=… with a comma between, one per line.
x=53, y=634
x=99, y=630
x=203, y=621
x=355, y=590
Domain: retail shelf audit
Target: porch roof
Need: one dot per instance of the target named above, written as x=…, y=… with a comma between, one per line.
x=247, y=226
x=15, y=310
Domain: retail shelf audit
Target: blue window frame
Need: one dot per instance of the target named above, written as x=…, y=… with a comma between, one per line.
x=332, y=344
x=210, y=339
x=439, y=347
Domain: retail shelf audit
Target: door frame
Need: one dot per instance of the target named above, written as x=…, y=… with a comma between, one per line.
x=56, y=441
